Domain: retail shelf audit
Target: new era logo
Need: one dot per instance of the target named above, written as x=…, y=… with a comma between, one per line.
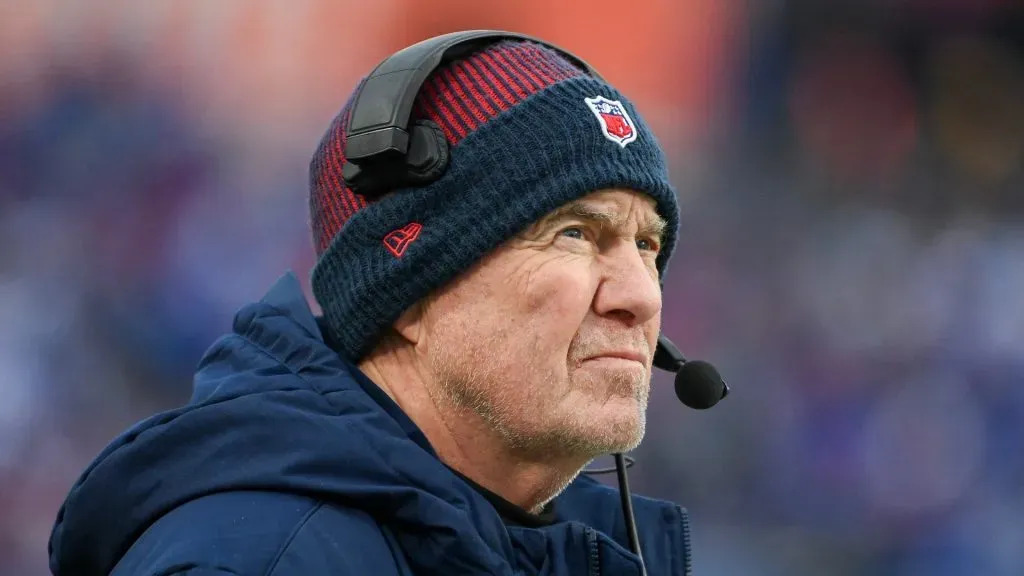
x=399, y=240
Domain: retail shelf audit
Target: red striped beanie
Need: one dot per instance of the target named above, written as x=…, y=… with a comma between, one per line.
x=528, y=132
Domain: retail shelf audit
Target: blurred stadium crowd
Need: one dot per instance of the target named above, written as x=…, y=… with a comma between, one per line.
x=852, y=246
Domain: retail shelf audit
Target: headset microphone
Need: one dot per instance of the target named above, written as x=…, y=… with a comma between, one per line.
x=699, y=386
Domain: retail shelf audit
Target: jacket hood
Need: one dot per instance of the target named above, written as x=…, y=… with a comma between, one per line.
x=274, y=408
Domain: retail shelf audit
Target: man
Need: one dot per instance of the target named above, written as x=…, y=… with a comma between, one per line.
x=483, y=338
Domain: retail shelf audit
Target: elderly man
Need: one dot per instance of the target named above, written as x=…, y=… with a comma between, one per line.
x=484, y=336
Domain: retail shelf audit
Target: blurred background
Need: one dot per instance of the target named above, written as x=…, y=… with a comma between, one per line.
x=853, y=241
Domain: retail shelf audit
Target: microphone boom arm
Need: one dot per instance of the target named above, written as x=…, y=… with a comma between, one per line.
x=698, y=374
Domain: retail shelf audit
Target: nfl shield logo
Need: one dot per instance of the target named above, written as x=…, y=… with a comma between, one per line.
x=616, y=124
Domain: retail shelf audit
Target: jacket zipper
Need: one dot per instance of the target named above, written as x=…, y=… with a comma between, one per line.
x=594, y=558
x=688, y=562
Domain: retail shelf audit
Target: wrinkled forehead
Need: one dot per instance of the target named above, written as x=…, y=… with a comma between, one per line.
x=613, y=208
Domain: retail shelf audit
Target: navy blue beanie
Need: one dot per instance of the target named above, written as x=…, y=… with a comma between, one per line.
x=528, y=133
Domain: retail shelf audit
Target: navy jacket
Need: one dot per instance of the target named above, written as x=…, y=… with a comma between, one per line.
x=288, y=461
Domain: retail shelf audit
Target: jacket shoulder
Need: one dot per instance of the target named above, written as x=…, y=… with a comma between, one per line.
x=255, y=533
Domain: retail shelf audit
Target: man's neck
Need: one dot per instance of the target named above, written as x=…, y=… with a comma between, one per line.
x=511, y=513
x=465, y=443
x=478, y=456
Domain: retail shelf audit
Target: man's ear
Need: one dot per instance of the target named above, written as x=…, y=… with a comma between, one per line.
x=410, y=324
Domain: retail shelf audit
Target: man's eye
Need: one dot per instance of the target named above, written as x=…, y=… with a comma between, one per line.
x=573, y=232
x=645, y=245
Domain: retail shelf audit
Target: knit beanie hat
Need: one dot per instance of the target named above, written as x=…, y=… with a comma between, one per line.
x=528, y=132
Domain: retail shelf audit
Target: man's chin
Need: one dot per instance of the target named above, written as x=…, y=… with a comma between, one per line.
x=618, y=430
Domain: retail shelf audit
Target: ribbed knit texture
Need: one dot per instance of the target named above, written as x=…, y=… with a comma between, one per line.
x=523, y=142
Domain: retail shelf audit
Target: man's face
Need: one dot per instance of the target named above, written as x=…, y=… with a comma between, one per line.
x=550, y=338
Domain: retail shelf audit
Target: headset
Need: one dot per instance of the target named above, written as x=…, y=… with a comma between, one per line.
x=384, y=151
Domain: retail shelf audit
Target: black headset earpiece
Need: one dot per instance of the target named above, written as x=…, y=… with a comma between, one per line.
x=383, y=152
x=424, y=161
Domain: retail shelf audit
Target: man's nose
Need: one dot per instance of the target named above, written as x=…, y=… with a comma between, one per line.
x=629, y=288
